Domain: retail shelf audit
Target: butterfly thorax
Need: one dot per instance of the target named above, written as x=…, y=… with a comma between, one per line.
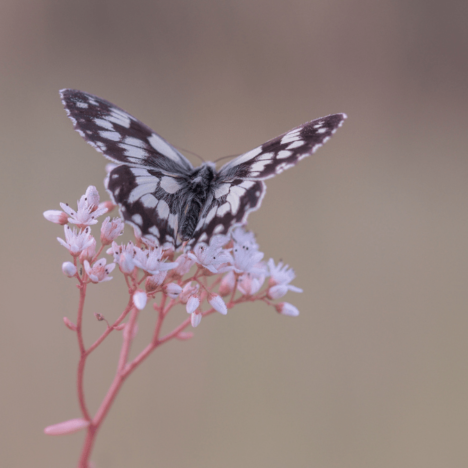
x=200, y=189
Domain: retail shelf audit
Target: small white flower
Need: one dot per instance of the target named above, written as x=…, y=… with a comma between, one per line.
x=213, y=257
x=217, y=303
x=99, y=272
x=150, y=260
x=90, y=251
x=195, y=319
x=184, y=263
x=242, y=238
x=76, y=241
x=188, y=291
x=247, y=260
x=172, y=290
x=123, y=256
x=69, y=269
x=192, y=304
x=111, y=229
x=285, y=308
x=88, y=209
x=281, y=275
x=139, y=299
x=154, y=281
x=249, y=284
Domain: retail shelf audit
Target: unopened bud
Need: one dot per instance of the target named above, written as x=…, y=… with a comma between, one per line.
x=67, y=427
x=285, y=308
x=196, y=319
x=192, y=304
x=69, y=324
x=139, y=299
x=68, y=269
x=172, y=290
x=217, y=303
x=275, y=292
x=184, y=336
x=55, y=216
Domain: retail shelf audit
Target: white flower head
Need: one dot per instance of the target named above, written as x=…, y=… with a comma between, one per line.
x=154, y=281
x=150, y=260
x=111, y=229
x=213, y=257
x=76, y=241
x=123, y=256
x=99, y=272
x=90, y=251
x=249, y=284
x=280, y=277
x=88, y=209
x=184, y=263
x=241, y=237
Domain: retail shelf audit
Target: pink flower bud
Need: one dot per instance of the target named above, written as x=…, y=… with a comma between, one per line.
x=184, y=336
x=275, y=292
x=228, y=283
x=107, y=204
x=68, y=269
x=126, y=264
x=139, y=299
x=195, y=319
x=69, y=324
x=217, y=303
x=92, y=197
x=55, y=216
x=67, y=427
x=192, y=304
x=172, y=290
x=285, y=308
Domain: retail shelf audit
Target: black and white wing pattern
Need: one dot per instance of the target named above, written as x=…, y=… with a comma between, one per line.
x=238, y=188
x=150, y=184
x=119, y=136
x=284, y=151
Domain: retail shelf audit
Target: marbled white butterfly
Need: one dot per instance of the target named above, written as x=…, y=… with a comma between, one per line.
x=158, y=190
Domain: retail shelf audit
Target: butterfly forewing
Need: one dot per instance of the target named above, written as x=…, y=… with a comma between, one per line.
x=283, y=152
x=120, y=136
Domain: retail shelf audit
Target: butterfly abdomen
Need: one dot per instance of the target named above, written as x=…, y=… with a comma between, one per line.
x=200, y=188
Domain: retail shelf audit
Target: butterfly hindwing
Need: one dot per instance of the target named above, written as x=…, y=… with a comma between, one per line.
x=120, y=136
x=150, y=201
x=283, y=152
x=229, y=206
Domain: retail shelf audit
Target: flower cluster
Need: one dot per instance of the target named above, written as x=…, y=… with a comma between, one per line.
x=210, y=278
x=235, y=262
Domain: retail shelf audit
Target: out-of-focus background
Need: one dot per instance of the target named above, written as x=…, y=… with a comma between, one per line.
x=374, y=372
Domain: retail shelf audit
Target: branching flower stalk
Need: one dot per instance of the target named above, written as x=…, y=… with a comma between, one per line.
x=210, y=278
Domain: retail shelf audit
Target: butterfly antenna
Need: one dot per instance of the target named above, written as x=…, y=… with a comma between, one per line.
x=190, y=152
x=226, y=157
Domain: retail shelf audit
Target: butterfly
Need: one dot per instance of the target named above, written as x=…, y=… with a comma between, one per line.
x=162, y=195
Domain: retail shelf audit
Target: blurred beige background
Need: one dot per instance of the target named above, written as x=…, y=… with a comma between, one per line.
x=374, y=372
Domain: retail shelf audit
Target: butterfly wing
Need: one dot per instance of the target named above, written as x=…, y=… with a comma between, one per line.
x=283, y=152
x=119, y=136
x=150, y=183
x=229, y=205
x=238, y=189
